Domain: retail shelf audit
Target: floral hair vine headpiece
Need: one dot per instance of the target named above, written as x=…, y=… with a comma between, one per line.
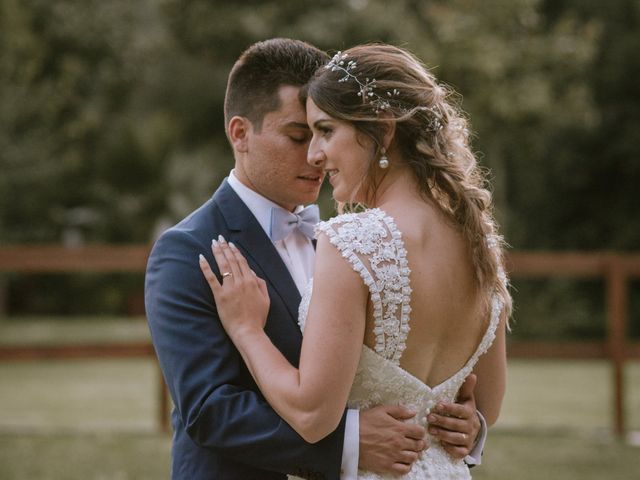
x=366, y=89
x=369, y=95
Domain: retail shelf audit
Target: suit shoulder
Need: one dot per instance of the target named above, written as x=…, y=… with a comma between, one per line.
x=194, y=228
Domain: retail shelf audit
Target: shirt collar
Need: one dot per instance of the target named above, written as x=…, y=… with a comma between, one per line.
x=257, y=204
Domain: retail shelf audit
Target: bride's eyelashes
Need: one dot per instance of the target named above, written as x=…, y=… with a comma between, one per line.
x=322, y=130
x=325, y=131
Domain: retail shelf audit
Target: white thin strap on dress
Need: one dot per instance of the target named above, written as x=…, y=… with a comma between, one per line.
x=489, y=336
x=373, y=245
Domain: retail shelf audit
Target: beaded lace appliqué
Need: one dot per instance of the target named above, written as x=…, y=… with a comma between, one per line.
x=372, y=243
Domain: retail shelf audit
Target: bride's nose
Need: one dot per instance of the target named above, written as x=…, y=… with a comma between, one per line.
x=316, y=158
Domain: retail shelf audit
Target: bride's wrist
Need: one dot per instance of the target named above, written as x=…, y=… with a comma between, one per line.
x=244, y=333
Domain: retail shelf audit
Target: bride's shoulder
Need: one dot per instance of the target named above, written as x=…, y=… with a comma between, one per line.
x=357, y=222
x=363, y=232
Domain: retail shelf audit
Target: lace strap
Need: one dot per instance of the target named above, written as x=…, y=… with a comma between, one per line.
x=496, y=309
x=373, y=245
x=487, y=339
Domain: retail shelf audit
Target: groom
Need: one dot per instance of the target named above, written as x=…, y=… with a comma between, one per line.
x=223, y=427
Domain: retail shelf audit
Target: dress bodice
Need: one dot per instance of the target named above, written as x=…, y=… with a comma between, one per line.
x=373, y=245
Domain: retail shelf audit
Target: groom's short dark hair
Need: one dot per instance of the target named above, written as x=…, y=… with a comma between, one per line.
x=252, y=88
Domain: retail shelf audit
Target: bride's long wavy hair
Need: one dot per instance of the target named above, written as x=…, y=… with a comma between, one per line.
x=432, y=136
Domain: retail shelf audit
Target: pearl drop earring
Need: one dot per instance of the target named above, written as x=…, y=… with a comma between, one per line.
x=384, y=161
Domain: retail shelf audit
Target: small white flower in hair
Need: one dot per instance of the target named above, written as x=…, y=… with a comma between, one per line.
x=366, y=89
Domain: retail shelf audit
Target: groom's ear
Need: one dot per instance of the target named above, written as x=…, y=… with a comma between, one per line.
x=238, y=131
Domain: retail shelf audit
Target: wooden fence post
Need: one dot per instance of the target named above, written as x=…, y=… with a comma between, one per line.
x=4, y=298
x=617, y=300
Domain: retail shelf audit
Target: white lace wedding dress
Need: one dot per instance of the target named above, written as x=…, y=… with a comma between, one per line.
x=373, y=245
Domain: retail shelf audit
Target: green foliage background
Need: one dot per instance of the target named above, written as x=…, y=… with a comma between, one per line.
x=111, y=124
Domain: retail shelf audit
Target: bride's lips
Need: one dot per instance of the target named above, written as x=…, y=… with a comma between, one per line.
x=331, y=174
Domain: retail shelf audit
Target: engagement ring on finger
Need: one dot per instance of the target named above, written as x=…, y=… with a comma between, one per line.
x=227, y=274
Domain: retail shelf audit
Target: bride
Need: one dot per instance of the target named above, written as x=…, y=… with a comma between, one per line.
x=409, y=296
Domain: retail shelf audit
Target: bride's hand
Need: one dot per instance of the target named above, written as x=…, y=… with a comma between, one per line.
x=242, y=299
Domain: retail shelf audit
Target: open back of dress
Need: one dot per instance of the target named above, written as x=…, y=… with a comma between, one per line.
x=372, y=244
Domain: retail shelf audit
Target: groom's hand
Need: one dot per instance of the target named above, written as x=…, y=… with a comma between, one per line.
x=457, y=425
x=387, y=444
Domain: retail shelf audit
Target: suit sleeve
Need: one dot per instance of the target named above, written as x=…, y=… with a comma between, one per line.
x=214, y=395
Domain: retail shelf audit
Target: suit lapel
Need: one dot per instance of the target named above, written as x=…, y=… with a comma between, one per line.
x=262, y=256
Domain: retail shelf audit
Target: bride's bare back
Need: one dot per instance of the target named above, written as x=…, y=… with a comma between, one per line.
x=447, y=322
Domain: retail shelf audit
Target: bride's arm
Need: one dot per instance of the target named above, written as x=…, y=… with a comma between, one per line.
x=312, y=398
x=491, y=370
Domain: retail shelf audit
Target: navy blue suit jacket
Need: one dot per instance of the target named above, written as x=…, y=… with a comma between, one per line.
x=223, y=427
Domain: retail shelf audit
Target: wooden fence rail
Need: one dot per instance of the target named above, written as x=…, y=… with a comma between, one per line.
x=615, y=268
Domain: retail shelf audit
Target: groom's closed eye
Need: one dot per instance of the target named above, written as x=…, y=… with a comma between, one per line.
x=297, y=132
x=299, y=138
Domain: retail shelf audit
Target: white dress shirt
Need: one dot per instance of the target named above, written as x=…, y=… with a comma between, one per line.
x=296, y=249
x=298, y=254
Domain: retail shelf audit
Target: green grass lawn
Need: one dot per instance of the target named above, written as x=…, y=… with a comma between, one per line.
x=96, y=419
x=510, y=455
x=102, y=455
x=539, y=455
x=56, y=330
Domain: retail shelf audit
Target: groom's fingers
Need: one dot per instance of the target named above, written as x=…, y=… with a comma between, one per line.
x=400, y=468
x=399, y=412
x=460, y=439
x=407, y=457
x=409, y=430
x=454, y=435
x=447, y=423
x=412, y=435
x=453, y=410
x=456, y=451
x=413, y=432
x=412, y=445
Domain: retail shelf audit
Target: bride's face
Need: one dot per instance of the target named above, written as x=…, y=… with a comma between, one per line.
x=343, y=153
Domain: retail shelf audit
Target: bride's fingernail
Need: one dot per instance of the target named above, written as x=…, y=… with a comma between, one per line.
x=214, y=243
x=201, y=258
x=221, y=239
x=232, y=245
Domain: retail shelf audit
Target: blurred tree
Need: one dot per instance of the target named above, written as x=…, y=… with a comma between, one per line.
x=113, y=113
x=72, y=165
x=111, y=124
x=93, y=112
x=578, y=191
x=523, y=78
